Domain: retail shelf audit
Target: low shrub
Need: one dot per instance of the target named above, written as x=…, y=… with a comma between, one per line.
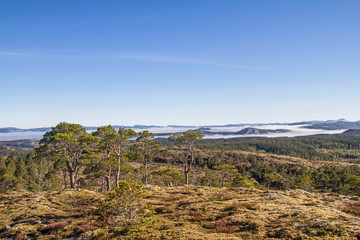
x=123, y=206
x=54, y=226
x=174, y=198
x=353, y=208
x=222, y=226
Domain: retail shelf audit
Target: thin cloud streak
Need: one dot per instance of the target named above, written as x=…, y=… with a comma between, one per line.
x=171, y=59
x=25, y=54
x=131, y=57
x=12, y=54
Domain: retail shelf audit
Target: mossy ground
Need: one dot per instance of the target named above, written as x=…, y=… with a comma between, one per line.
x=188, y=212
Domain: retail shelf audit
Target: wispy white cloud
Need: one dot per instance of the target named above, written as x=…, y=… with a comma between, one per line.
x=19, y=54
x=130, y=57
x=173, y=59
x=12, y=54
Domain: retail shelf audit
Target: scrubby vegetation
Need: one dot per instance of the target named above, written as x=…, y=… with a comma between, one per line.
x=183, y=212
x=132, y=186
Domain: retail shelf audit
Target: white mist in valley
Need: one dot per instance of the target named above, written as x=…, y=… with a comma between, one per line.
x=216, y=131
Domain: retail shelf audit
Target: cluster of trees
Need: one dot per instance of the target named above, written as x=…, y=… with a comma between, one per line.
x=106, y=150
x=28, y=172
x=103, y=152
x=68, y=156
x=341, y=179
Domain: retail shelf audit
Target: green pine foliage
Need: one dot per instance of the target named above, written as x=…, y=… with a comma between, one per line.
x=101, y=160
x=123, y=206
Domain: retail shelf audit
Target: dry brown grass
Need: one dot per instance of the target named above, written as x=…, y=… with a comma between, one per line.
x=173, y=198
x=186, y=213
x=353, y=208
x=53, y=226
x=222, y=226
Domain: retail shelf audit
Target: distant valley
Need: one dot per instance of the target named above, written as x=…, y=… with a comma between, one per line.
x=211, y=131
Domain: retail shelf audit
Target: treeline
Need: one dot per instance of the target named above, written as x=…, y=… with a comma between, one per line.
x=102, y=158
x=7, y=150
x=19, y=172
x=68, y=156
x=319, y=147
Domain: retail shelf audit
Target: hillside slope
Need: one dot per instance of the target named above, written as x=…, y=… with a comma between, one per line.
x=186, y=213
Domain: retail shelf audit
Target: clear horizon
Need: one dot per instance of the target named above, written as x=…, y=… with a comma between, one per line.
x=178, y=62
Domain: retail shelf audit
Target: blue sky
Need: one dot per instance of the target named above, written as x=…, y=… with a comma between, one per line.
x=178, y=62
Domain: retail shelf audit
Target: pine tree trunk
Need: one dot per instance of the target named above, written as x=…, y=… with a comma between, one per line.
x=192, y=156
x=118, y=173
x=72, y=179
x=187, y=170
x=71, y=175
x=186, y=175
x=64, y=178
x=108, y=181
x=145, y=173
x=108, y=184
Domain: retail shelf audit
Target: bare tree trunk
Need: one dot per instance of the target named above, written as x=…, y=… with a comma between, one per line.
x=102, y=186
x=186, y=175
x=188, y=166
x=76, y=173
x=71, y=175
x=186, y=171
x=108, y=181
x=72, y=179
x=118, y=172
x=192, y=156
x=64, y=178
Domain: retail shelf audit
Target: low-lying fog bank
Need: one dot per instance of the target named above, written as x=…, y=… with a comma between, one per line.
x=209, y=132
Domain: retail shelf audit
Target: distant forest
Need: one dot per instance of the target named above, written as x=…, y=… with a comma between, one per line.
x=69, y=157
x=327, y=147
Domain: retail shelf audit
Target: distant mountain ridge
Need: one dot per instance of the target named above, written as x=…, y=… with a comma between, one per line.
x=13, y=130
x=250, y=131
x=46, y=129
x=315, y=124
x=304, y=128
x=334, y=125
x=245, y=131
